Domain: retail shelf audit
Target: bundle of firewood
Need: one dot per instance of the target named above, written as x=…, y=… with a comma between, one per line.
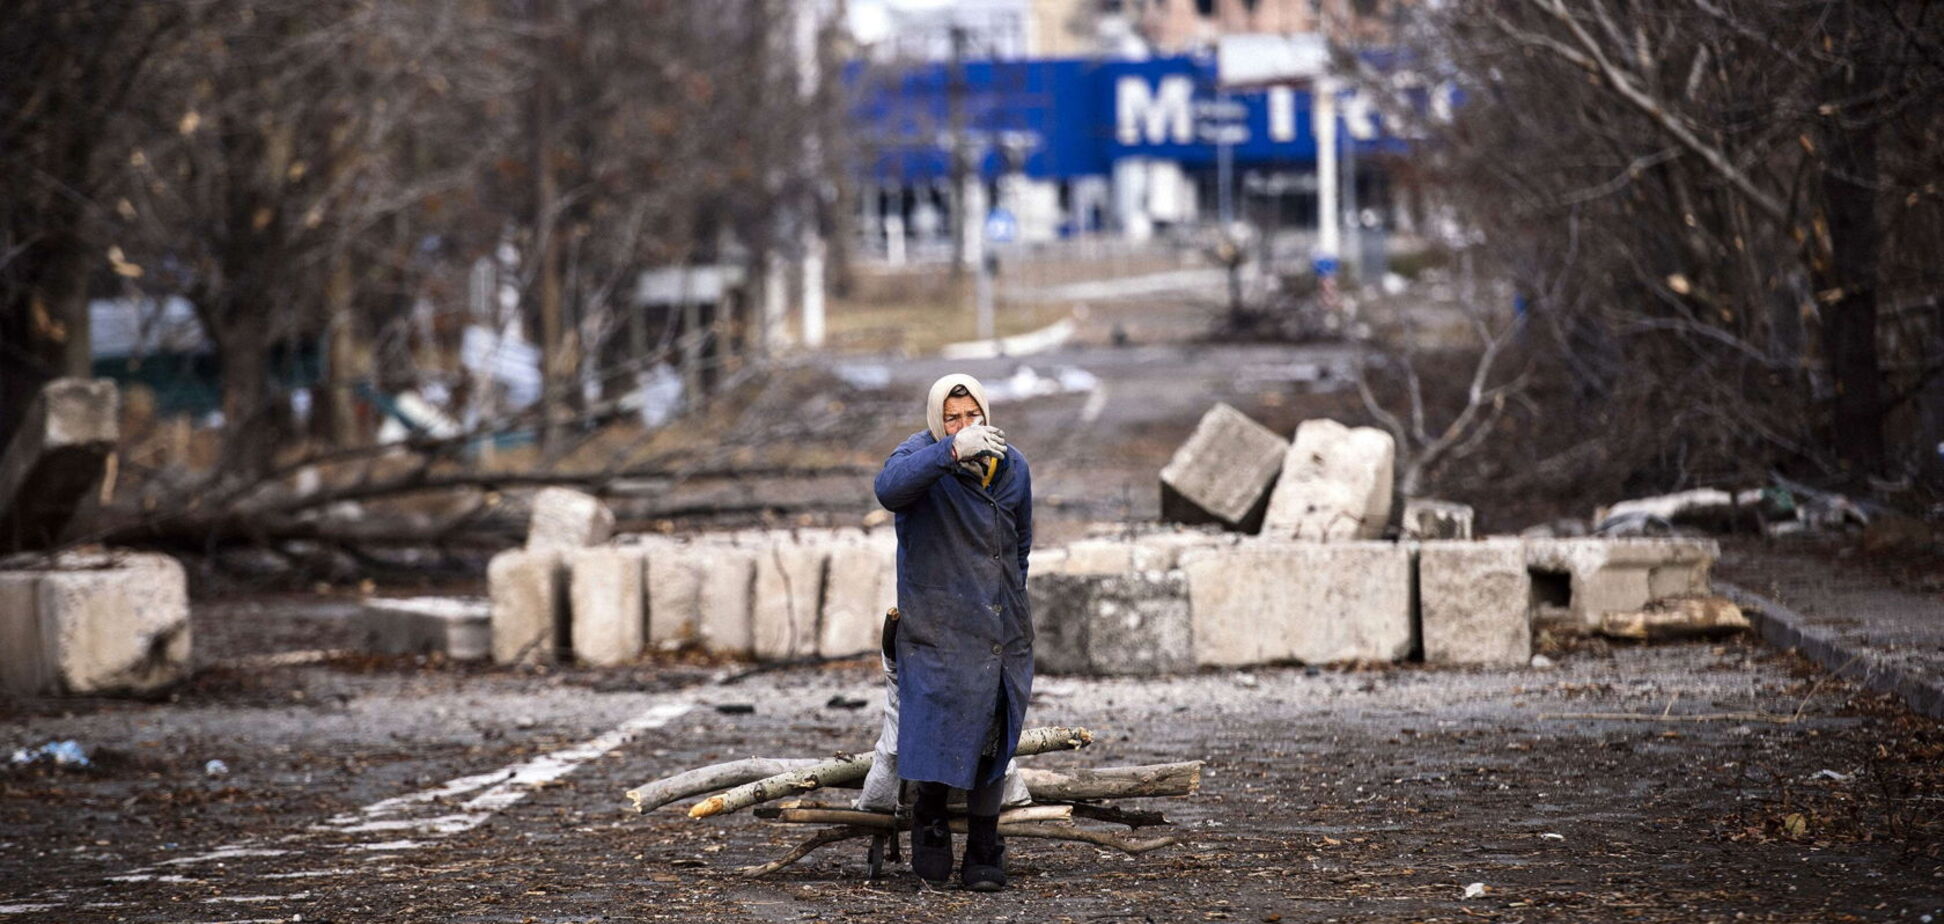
x=1059, y=798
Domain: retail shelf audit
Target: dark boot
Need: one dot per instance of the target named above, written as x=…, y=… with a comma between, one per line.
x=931, y=840
x=985, y=855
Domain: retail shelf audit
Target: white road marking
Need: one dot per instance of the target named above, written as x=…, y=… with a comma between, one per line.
x=502, y=789
x=295, y=896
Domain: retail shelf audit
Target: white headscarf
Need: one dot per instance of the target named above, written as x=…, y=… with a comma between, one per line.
x=942, y=389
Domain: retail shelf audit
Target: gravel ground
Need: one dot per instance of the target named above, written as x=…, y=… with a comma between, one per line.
x=1752, y=786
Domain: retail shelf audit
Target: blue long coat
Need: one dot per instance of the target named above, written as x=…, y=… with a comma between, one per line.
x=965, y=635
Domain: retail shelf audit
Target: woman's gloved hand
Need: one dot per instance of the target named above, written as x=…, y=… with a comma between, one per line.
x=978, y=440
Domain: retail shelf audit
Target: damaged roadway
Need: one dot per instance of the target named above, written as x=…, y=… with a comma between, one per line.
x=1747, y=782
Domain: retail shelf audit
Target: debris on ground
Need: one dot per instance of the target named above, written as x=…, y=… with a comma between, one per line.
x=66, y=753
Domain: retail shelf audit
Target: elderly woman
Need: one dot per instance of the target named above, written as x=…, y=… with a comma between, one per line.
x=964, y=506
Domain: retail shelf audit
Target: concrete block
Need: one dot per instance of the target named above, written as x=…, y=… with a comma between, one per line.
x=605, y=604
x=1335, y=484
x=787, y=599
x=528, y=590
x=115, y=623
x=1473, y=600
x=1620, y=575
x=459, y=628
x=1223, y=473
x=25, y=668
x=1436, y=519
x=1163, y=551
x=1134, y=623
x=567, y=519
x=674, y=576
x=724, y=617
x=1264, y=601
x=862, y=582
x=1098, y=556
x=52, y=467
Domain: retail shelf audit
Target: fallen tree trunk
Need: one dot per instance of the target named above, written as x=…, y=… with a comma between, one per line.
x=1178, y=779
x=713, y=777
x=844, y=769
x=1129, y=845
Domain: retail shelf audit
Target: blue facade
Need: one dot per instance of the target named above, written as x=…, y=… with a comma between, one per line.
x=1069, y=118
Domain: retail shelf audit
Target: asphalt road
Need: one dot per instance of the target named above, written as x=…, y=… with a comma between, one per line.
x=1672, y=783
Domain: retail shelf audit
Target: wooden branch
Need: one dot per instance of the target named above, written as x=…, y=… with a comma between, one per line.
x=826, y=836
x=651, y=796
x=1128, y=845
x=808, y=815
x=844, y=769
x=1132, y=846
x=1133, y=818
x=1178, y=779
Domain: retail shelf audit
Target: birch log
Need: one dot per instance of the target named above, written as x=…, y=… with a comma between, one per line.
x=831, y=815
x=1181, y=779
x=844, y=769
x=711, y=778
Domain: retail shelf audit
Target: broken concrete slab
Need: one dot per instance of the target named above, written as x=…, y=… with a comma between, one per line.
x=567, y=519
x=51, y=469
x=1335, y=484
x=107, y=623
x=1263, y=601
x=1112, y=624
x=787, y=599
x=1224, y=472
x=528, y=591
x=459, y=628
x=1588, y=578
x=605, y=604
x=1435, y=519
x=1473, y=602
x=862, y=583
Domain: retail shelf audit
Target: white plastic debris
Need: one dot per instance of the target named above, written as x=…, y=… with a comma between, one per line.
x=1541, y=661
x=215, y=769
x=1475, y=890
x=63, y=753
x=1832, y=775
x=1552, y=836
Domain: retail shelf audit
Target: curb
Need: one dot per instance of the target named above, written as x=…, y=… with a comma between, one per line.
x=1846, y=658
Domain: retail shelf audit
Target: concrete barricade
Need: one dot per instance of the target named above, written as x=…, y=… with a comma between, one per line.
x=1473, y=602
x=724, y=619
x=460, y=629
x=96, y=623
x=1133, y=623
x=861, y=584
x=1593, y=577
x=1223, y=473
x=528, y=590
x=1264, y=601
x=1335, y=484
x=606, y=605
x=788, y=593
x=567, y=519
